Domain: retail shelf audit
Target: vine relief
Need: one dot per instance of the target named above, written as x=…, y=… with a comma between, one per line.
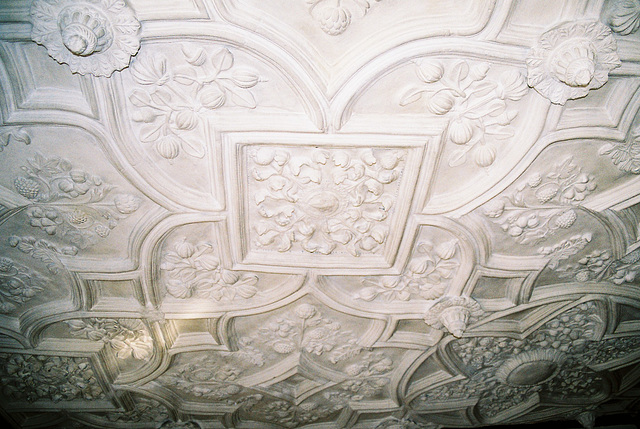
x=565, y=249
x=625, y=155
x=600, y=265
x=127, y=338
x=334, y=16
x=173, y=103
x=18, y=284
x=571, y=59
x=427, y=276
x=68, y=202
x=54, y=378
x=306, y=330
x=44, y=251
x=543, y=204
x=196, y=271
x=92, y=36
x=324, y=200
x=474, y=103
x=625, y=17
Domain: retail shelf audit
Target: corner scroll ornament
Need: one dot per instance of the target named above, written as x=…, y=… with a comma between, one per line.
x=453, y=313
x=94, y=37
x=572, y=59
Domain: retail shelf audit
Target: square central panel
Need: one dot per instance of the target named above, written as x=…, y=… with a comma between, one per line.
x=331, y=201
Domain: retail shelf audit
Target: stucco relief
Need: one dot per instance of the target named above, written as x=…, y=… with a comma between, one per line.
x=356, y=214
x=92, y=37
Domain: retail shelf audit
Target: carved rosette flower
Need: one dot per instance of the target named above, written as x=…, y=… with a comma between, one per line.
x=93, y=37
x=572, y=59
x=453, y=313
x=625, y=17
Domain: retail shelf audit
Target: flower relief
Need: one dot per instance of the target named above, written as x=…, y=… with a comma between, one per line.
x=473, y=102
x=70, y=203
x=127, y=338
x=18, y=284
x=196, y=271
x=173, y=103
x=427, y=276
x=625, y=155
x=95, y=36
x=325, y=200
x=600, y=265
x=53, y=378
x=334, y=16
x=543, y=204
x=305, y=330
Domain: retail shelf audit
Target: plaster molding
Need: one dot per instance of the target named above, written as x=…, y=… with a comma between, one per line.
x=94, y=37
x=348, y=215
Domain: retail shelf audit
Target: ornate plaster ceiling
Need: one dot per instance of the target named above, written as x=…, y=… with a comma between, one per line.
x=318, y=213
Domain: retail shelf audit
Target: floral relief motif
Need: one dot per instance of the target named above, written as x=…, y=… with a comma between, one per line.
x=571, y=59
x=625, y=155
x=565, y=249
x=54, y=378
x=505, y=372
x=18, y=284
x=173, y=104
x=625, y=17
x=543, y=204
x=93, y=36
x=43, y=250
x=9, y=135
x=127, y=338
x=599, y=265
x=474, y=103
x=196, y=271
x=366, y=379
x=427, y=275
x=68, y=202
x=214, y=376
x=405, y=423
x=307, y=331
x=287, y=414
x=326, y=200
x=334, y=16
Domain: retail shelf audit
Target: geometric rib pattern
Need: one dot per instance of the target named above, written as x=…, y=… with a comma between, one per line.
x=324, y=214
